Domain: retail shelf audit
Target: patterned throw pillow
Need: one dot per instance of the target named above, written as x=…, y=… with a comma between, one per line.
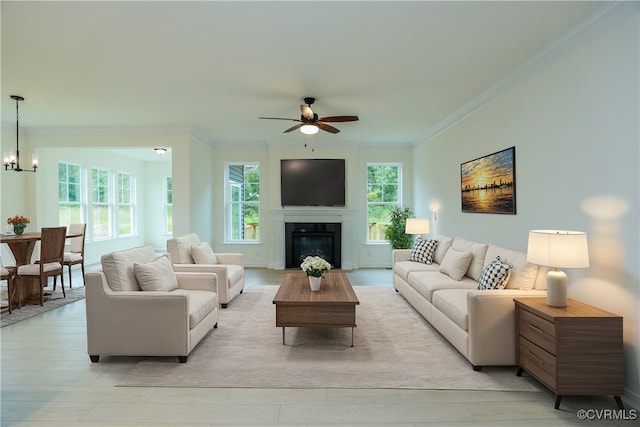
x=423, y=251
x=495, y=275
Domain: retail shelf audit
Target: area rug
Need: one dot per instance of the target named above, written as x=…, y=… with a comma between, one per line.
x=31, y=310
x=394, y=348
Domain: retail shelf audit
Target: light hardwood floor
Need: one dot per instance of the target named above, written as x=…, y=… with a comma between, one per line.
x=48, y=380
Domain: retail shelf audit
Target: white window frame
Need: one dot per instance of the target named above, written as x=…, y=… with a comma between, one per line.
x=228, y=224
x=109, y=204
x=131, y=205
x=166, y=192
x=397, y=203
x=82, y=204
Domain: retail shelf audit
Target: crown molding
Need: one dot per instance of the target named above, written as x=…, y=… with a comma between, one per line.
x=571, y=38
x=93, y=131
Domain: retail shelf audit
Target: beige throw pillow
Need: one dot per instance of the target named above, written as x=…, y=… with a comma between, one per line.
x=157, y=275
x=456, y=263
x=203, y=254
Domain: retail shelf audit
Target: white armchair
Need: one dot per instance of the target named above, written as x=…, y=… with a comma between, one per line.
x=229, y=267
x=124, y=320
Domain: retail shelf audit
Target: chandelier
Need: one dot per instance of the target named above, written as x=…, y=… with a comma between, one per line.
x=12, y=158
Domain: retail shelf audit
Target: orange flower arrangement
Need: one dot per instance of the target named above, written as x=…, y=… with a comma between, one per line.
x=18, y=219
x=19, y=223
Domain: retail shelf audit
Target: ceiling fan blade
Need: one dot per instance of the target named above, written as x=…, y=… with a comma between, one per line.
x=292, y=128
x=339, y=119
x=326, y=127
x=278, y=118
x=307, y=112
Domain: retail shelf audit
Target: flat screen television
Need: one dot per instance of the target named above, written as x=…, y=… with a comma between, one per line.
x=312, y=182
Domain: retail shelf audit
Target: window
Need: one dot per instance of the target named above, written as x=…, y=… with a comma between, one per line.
x=70, y=194
x=383, y=195
x=101, y=208
x=126, y=204
x=243, y=202
x=168, y=206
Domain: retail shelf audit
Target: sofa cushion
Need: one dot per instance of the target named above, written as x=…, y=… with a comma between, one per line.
x=118, y=267
x=478, y=252
x=456, y=263
x=523, y=273
x=404, y=268
x=444, y=243
x=423, y=250
x=201, y=303
x=540, y=284
x=495, y=275
x=427, y=282
x=156, y=275
x=203, y=254
x=453, y=304
x=183, y=244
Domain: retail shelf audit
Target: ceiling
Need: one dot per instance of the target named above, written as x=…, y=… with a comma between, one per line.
x=402, y=67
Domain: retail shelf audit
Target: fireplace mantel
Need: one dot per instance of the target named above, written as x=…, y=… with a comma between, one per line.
x=311, y=214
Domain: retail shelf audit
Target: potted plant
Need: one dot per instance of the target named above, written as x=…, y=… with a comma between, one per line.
x=315, y=267
x=19, y=223
x=395, y=234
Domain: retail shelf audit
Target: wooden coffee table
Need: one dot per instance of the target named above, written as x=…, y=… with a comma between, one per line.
x=333, y=306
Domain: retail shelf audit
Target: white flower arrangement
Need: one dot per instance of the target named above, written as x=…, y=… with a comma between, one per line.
x=315, y=266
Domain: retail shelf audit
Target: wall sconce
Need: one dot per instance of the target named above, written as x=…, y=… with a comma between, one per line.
x=12, y=158
x=558, y=249
x=435, y=207
x=417, y=226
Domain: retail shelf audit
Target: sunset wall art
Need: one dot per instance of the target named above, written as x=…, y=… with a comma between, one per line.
x=488, y=184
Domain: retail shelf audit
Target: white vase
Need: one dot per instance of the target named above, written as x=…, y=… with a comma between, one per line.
x=314, y=282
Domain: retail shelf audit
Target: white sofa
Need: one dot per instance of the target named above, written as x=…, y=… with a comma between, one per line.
x=229, y=267
x=124, y=320
x=479, y=323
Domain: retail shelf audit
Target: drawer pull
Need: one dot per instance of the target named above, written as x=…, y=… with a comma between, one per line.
x=535, y=328
x=535, y=357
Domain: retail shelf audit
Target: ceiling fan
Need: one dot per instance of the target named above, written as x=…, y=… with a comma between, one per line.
x=309, y=123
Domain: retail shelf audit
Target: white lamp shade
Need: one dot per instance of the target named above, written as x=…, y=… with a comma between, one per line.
x=558, y=248
x=417, y=226
x=309, y=129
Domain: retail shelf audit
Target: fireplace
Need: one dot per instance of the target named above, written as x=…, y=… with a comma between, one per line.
x=304, y=239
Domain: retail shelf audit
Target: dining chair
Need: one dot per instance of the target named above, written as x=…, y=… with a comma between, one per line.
x=50, y=263
x=8, y=273
x=75, y=255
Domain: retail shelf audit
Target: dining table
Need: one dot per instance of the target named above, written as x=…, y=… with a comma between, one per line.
x=22, y=247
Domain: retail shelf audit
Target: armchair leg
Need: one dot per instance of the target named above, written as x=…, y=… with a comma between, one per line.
x=223, y=305
x=182, y=359
x=94, y=358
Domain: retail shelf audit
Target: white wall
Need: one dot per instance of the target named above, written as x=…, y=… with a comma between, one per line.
x=574, y=122
x=153, y=217
x=35, y=195
x=269, y=156
x=255, y=254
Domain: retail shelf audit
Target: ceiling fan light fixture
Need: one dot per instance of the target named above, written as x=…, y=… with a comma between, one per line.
x=309, y=129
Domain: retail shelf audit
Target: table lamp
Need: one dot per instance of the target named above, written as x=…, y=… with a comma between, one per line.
x=558, y=249
x=417, y=226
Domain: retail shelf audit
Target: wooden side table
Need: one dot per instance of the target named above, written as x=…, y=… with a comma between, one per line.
x=573, y=350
